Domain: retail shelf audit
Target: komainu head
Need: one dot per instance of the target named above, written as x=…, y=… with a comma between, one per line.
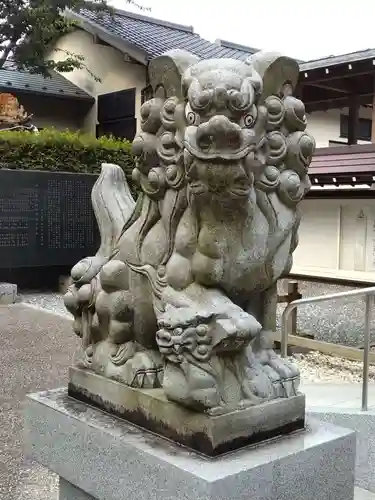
x=222, y=127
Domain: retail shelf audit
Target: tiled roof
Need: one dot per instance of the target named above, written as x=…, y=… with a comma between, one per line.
x=154, y=37
x=57, y=85
x=360, y=55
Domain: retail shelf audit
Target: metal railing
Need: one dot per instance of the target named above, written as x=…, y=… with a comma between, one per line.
x=367, y=293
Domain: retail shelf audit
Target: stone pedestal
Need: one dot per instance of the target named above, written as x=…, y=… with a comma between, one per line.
x=363, y=423
x=101, y=457
x=8, y=293
x=207, y=434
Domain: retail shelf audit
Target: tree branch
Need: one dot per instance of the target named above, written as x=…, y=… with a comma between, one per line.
x=31, y=29
x=6, y=52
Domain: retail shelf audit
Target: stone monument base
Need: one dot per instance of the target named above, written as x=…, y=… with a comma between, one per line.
x=101, y=457
x=210, y=435
x=8, y=293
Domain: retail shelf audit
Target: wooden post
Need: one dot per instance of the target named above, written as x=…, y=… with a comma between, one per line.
x=373, y=116
x=291, y=294
x=353, y=120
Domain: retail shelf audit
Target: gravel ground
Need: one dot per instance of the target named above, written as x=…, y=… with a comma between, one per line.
x=339, y=321
x=318, y=367
x=51, y=301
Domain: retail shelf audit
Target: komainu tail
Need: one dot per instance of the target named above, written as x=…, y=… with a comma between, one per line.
x=113, y=205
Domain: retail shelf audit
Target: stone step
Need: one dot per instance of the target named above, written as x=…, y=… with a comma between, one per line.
x=360, y=494
x=344, y=395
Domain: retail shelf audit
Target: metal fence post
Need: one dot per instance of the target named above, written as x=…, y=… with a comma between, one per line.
x=366, y=351
x=294, y=295
x=369, y=294
x=284, y=330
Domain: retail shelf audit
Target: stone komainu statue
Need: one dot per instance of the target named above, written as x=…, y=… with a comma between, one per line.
x=182, y=291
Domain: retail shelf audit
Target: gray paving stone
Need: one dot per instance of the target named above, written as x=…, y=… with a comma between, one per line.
x=36, y=351
x=110, y=459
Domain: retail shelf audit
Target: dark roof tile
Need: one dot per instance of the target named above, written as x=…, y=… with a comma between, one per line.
x=325, y=62
x=57, y=85
x=154, y=37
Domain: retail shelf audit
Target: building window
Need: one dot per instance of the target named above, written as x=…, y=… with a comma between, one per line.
x=146, y=94
x=364, y=128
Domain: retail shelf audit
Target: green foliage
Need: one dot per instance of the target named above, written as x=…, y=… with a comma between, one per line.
x=67, y=151
x=30, y=29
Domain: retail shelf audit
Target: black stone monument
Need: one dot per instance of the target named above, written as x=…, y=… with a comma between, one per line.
x=46, y=219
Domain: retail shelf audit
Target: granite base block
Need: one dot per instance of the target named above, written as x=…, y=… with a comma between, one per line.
x=110, y=459
x=69, y=492
x=210, y=435
x=363, y=423
x=8, y=293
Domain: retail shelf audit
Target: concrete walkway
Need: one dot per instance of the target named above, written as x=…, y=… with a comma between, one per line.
x=345, y=395
x=36, y=350
x=360, y=494
x=339, y=396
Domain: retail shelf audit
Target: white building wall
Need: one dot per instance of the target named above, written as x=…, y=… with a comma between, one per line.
x=337, y=238
x=108, y=71
x=325, y=125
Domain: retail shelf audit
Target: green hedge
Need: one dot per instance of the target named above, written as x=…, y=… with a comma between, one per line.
x=66, y=151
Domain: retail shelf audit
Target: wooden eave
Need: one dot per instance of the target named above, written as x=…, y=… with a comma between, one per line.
x=334, y=82
x=354, y=165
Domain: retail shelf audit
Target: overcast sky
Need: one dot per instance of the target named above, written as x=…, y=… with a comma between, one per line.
x=302, y=29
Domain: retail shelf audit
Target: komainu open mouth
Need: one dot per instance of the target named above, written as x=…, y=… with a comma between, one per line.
x=219, y=156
